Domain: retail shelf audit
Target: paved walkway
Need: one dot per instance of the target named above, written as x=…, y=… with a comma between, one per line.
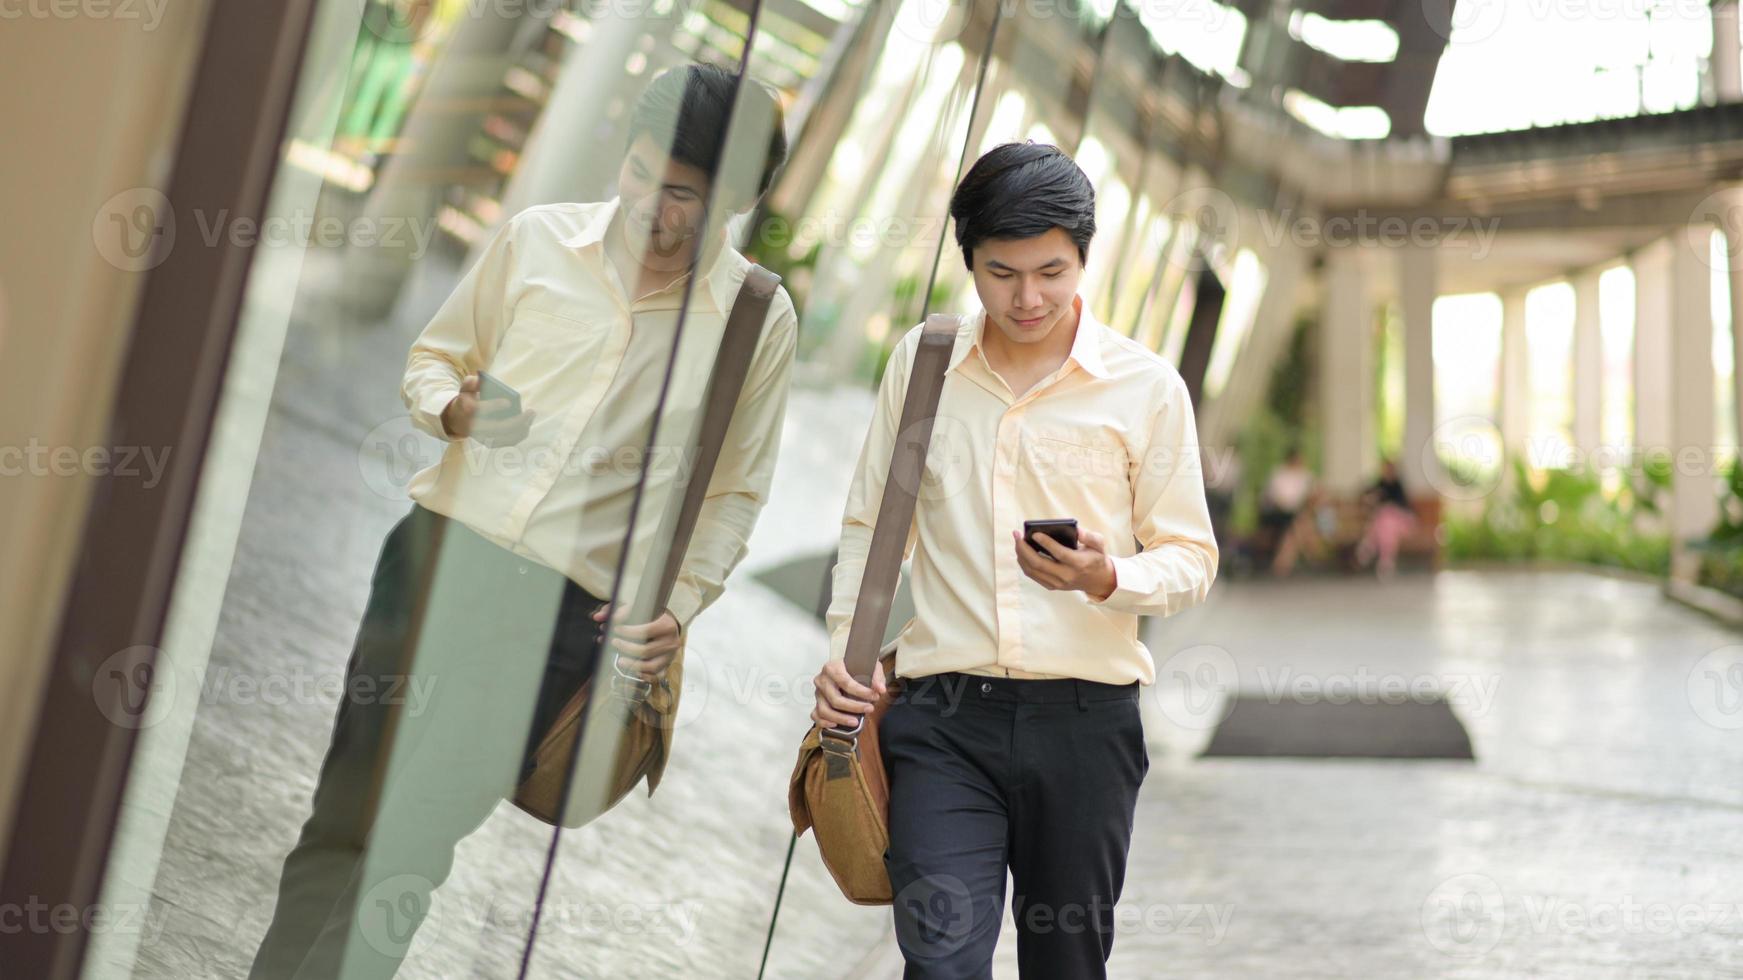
x=1599, y=832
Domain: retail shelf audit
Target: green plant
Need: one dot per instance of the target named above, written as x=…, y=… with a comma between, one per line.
x=1721, y=551
x=1559, y=515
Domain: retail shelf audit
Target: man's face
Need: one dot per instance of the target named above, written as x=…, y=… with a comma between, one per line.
x=1026, y=284
x=662, y=198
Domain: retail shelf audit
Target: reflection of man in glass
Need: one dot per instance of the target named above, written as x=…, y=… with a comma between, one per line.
x=492, y=589
x=1016, y=743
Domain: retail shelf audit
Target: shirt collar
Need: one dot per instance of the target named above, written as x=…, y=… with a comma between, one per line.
x=1085, y=346
x=720, y=289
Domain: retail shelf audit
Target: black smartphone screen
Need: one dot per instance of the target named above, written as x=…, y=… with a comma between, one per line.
x=1062, y=530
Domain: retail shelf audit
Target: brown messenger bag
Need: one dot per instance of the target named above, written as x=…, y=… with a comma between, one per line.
x=839, y=788
x=643, y=713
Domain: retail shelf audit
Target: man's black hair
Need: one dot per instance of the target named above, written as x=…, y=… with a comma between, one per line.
x=687, y=110
x=1019, y=190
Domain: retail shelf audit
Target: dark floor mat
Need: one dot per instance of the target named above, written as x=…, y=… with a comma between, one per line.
x=1257, y=726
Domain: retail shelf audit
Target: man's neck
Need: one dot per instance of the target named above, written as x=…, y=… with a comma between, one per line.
x=1038, y=359
x=646, y=268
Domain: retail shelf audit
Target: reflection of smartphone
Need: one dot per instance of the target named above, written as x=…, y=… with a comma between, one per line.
x=489, y=389
x=1062, y=530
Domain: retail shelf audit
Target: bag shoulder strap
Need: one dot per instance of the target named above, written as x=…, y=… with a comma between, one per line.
x=883, y=562
x=738, y=345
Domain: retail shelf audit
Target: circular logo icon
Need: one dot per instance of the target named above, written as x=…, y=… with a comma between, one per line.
x=400, y=21
x=1464, y=915
x=1463, y=458
x=1464, y=21
x=135, y=688
x=389, y=914
x=1715, y=688
x=135, y=230
x=934, y=916
x=932, y=21
x=392, y=453
x=949, y=460
x=693, y=689
x=1195, y=688
x=1722, y=210
x=1213, y=217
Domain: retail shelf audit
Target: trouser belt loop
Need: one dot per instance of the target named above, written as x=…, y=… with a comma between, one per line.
x=1082, y=696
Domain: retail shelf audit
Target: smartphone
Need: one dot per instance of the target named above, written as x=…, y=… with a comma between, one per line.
x=489, y=388
x=1062, y=530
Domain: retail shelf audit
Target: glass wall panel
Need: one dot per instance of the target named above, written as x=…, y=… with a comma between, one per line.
x=390, y=589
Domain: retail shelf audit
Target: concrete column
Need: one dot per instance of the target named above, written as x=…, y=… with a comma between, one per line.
x=470, y=67
x=1734, y=269
x=1515, y=381
x=1727, y=76
x=573, y=151
x=1652, y=347
x=1346, y=373
x=1418, y=284
x=1694, y=505
x=1273, y=326
x=1588, y=365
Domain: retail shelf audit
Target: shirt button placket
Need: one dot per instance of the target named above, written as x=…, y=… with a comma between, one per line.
x=1005, y=515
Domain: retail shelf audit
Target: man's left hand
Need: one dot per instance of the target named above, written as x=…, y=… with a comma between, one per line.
x=1086, y=568
x=645, y=649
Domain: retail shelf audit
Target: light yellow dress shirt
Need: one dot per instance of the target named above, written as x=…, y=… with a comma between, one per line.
x=544, y=311
x=1108, y=439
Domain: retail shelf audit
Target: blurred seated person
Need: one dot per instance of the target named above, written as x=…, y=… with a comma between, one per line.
x=1286, y=495
x=1389, y=521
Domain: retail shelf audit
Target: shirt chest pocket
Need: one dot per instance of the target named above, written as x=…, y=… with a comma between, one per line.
x=539, y=347
x=1060, y=458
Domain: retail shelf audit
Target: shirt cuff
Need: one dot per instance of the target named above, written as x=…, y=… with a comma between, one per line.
x=1127, y=573
x=684, y=604
x=426, y=413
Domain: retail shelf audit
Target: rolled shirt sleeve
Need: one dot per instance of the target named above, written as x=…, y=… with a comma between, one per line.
x=1170, y=518
x=739, y=486
x=459, y=339
x=865, y=495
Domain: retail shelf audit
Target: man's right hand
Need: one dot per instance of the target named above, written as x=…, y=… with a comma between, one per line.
x=462, y=417
x=841, y=700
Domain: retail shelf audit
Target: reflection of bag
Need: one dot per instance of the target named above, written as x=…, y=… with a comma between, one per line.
x=839, y=787
x=649, y=710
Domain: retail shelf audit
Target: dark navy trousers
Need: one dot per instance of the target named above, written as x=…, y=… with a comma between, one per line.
x=987, y=774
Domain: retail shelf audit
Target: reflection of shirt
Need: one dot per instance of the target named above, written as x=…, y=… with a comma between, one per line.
x=1288, y=487
x=1107, y=439
x=545, y=312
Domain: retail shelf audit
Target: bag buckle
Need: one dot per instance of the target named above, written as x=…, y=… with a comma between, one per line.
x=847, y=737
x=629, y=687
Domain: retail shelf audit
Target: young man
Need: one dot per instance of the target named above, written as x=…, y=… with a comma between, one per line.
x=491, y=592
x=1016, y=741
